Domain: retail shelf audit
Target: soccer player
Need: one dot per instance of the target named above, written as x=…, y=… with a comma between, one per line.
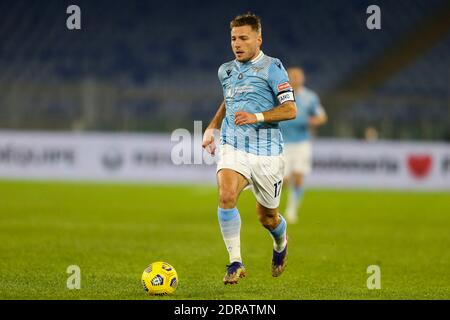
x=297, y=135
x=257, y=95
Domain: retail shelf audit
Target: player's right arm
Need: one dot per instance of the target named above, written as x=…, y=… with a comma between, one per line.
x=208, y=137
x=318, y=116
x=318, y=120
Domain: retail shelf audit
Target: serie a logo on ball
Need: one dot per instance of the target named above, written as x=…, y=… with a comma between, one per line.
x=160, y=279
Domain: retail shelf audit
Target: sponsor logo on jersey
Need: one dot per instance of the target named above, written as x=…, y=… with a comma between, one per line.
x=243, y=89
x=284, y=86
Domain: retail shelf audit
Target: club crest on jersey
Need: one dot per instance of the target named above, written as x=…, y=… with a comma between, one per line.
x=257, y=69
x=240, y=76
x=284, y=86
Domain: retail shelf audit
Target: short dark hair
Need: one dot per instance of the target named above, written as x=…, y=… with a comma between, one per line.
x=247, y=19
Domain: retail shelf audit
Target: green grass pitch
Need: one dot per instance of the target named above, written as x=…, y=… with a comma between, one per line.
x=113, y=231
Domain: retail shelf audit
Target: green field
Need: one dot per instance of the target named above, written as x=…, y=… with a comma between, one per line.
x=114, y=231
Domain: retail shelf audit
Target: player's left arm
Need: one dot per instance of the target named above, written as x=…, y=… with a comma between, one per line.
x=279, y=83
x=285, y=111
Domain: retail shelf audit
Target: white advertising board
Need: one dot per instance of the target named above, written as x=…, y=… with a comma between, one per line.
x=148, y=158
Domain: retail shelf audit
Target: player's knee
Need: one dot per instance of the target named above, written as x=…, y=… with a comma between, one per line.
x=268, y=221
x=227, y=198
x=298, y=180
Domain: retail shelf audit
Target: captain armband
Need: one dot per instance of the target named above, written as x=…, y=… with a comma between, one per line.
x=285, y=96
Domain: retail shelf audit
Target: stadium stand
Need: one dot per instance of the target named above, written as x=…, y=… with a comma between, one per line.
x=142, y=65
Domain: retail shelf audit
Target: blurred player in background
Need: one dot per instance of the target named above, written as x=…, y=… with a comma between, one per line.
x=257, y=95
x=297, y=138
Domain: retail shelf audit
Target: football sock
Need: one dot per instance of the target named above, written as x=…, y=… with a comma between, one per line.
x=230, y=225
x=279, y=235
x=294, y=201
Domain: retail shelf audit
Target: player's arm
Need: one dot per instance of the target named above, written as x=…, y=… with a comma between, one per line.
x=318, y=116
x=278, y=82
x=318, y=120
x=285, y=111
x=214, y=125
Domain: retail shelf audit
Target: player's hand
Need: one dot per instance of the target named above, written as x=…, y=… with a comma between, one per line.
x=313, y=122
x=208, y=141
x=242, y=118
x=316, y=121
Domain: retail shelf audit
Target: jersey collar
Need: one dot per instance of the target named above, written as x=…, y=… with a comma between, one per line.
x=253, y=61
x=258, y=57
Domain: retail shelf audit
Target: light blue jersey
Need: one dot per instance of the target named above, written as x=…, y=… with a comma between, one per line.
x=254, y=86
x=308, y=105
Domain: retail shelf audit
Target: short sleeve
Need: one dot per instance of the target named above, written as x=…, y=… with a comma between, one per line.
x=316, y=106
x=279, y=82
x=220, y=73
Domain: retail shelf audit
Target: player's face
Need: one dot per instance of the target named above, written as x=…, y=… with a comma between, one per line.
x=296, y=77
x=245, y=43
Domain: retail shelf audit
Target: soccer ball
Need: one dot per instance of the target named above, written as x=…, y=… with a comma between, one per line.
x=160, y=279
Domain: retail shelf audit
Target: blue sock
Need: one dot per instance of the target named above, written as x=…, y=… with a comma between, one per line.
x=279, y=235
x=295, y=199
x=230, y=226
x=298, y=192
